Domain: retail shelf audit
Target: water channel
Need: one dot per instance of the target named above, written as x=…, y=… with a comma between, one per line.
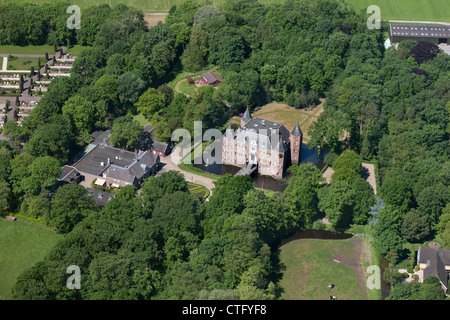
x=262, y=182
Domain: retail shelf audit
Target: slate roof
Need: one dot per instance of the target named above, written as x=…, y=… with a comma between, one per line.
x=297, y=131
x=160, y=146
x=436, y=260
x=268, y=133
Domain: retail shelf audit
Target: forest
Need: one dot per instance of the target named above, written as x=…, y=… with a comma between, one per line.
x=389, y=106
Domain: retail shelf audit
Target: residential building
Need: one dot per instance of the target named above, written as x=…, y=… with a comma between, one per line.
x=434, y=262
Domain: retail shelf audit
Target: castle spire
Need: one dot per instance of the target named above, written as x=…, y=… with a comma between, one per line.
x=296, y=131
x=247, y=116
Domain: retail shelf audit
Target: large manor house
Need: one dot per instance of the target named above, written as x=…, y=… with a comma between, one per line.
x=267, y=144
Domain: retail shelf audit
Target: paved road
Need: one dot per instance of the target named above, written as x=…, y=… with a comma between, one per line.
x=5, y=63
x=170, y=163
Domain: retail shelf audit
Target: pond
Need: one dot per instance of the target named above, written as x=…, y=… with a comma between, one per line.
x=263, y=182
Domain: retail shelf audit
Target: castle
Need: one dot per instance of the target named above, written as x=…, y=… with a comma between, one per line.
x=267, y=144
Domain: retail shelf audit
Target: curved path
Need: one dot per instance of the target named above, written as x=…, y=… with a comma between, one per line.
x=171, y=163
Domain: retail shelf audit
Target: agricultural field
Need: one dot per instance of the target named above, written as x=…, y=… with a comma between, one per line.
x=145, y=5
x=310, y=265
x=22, y=245
x=420, y=10
x=424, y=10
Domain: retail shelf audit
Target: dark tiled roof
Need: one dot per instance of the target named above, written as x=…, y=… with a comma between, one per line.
x=267, y=127
x=419, y=31
x=96, y=161
x=211, y=77
x=148, y=128
x=101, y=197
x=297, y=131
x=101, y=137
x=436, y=260
x=69, y=174
x=160, y=146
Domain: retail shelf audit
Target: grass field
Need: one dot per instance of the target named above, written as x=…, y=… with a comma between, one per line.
x=145, y=5
x=424, y=10
x=311, y=265
x=286, y=115
x=25, y=63
x=26, y=50
x=22, y=245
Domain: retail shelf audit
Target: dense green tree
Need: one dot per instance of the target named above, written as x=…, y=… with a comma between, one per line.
x=124, y=132
x=415, y=227
x=301, y=194
x=396, y=193
x=129, y=88
x=150, y=102
x=71, y=204
x=45, y=170
x=5, y=201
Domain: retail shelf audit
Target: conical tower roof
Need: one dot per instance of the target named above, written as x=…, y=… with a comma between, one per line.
x=297, y=131
x=247, y=116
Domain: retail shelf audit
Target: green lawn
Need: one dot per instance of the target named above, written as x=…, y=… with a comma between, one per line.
x=24, y=63
x=76, y=50
x=22, y=245
x=141, y=119
x=26, y=50
x=309, y=269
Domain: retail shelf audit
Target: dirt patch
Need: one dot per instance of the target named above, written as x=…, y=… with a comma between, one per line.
x=153, y=19
x=354, y=261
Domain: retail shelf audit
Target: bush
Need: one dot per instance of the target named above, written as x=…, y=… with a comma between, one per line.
x=318, y=225
x=190, y=80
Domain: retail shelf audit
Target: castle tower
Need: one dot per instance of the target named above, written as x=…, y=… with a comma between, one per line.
x=228, y=146
x=296, y=138
x=245, y=118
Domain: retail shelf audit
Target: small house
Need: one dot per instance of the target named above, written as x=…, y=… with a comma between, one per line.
x=210, y=78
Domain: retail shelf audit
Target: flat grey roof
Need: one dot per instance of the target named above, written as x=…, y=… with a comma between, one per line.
x=419, y=30
x=92, y=162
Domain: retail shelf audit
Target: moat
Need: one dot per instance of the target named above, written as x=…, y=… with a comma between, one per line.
x=261, y=181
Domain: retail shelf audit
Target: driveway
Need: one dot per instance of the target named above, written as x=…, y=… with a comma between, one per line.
x=171, y=163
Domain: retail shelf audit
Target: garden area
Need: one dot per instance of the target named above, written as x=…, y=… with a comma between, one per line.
x=198, y=190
